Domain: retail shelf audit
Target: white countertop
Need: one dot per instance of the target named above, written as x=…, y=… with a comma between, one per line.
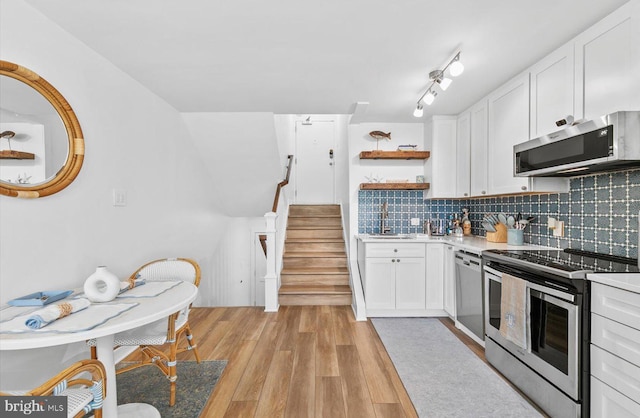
x=472, y=243
x=624, y=281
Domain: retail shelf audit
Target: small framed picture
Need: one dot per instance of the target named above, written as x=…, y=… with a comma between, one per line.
x=419, y=179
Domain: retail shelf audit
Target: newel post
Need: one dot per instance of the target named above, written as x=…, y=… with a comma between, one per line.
x=271, y=278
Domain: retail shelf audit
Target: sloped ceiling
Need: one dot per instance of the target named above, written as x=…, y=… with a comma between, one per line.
x=300, y=57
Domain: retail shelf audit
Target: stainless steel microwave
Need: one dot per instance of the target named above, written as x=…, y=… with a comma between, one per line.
x=607, y=143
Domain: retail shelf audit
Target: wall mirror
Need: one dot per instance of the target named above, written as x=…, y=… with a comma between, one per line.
x=41, y=143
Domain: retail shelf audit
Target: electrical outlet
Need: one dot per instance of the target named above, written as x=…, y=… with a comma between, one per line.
x=558, y=231
x=415, y=221
x=119, y=197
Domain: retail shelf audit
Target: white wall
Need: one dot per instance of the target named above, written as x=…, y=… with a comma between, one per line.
x=134, y=141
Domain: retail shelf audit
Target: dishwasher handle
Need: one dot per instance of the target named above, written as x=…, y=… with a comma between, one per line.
x=468, y=261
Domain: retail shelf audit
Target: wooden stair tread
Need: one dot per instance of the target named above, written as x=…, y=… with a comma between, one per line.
x=310, y=254
x=315, y=270
x=324, y=227
x=294, y=289
x=312, y=240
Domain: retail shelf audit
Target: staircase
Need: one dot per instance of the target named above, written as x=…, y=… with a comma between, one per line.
x=314, y=268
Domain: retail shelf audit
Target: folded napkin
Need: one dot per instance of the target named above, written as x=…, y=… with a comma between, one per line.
x=513, y=306
x=131, y=283
x=43, y=317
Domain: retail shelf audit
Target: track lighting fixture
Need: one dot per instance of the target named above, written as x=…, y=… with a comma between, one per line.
x=438, y=77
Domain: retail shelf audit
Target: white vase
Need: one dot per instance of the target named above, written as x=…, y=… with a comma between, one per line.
x=102, y=286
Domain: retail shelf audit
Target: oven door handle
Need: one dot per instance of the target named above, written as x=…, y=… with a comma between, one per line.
x=567, y=298
x=493, y=274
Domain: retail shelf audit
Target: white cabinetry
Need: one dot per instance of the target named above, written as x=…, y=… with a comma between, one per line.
x=463, y=157
x=478, y=149
x=401, y=278
x=508, y=126
x=615, y=352
x=435, y=276
x=449, y=280
x=607, y=64
x=551, y=91
x=442, y=135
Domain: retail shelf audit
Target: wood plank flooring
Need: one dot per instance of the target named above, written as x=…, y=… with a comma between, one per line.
x=303, y=361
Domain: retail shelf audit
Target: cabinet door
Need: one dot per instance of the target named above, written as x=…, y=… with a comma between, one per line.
x=435, y=276
x=551, y=91
x=607, y=62
x=463, y=138
x=606, y=402
x=449, y=280
x=443, y=157
x=508, y=126
x=380, y=290
x=410, y=283
x=479, y=145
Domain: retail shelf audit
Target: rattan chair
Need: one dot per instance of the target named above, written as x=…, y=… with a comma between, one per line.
x=83, y=383
x=149, y=338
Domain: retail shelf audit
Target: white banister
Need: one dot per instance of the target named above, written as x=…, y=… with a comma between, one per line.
x=271, y=279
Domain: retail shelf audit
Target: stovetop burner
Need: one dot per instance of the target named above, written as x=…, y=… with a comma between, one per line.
x=571, y=262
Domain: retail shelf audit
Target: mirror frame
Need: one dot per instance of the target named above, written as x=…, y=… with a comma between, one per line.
x=75, y=156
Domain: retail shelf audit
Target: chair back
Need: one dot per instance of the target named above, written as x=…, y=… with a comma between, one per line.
x=183, y=269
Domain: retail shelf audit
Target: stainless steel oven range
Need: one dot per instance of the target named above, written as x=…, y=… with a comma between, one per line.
x=550, y=364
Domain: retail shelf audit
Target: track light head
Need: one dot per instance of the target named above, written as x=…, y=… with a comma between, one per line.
x=419, y=111
x=429, y=97
x=455, y=66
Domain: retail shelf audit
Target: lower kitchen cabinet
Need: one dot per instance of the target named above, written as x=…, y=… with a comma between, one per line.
x=435, y=276
x=402, y=279
x=395, y=283
x=449, y=266
x=615, y=352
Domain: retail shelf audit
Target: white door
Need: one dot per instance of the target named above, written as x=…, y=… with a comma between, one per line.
x=315, y=144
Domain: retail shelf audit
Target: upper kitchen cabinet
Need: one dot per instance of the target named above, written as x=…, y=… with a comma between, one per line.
x=450, y=155
x=463, y=155
x=608, y=64
x=478, y=148
x=552, y=86
x=508, y=124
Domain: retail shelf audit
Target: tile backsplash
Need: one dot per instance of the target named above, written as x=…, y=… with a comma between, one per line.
x=600, y=212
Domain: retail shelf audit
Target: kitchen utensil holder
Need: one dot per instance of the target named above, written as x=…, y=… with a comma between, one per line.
x=500, y=235
x=515, y=237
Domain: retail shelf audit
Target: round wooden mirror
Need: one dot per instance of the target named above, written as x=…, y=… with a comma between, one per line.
x=41, y=143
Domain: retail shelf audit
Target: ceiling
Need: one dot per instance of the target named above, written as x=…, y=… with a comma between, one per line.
x=300, y=57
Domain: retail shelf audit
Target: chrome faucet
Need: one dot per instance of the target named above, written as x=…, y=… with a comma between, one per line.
x=384, y=214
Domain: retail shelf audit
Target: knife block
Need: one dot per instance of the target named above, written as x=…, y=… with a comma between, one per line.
x=500, y=235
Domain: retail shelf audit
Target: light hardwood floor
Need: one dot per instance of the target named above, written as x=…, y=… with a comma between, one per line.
x=303, y=361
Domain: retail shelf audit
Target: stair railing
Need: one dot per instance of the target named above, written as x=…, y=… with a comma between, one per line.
x=272, y=278
x=263, y=238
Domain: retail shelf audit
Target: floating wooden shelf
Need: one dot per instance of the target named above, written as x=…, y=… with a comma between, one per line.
x=394, y=186
x=394, y=155
x=16, y=155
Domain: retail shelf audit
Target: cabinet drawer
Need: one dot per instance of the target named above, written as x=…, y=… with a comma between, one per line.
x=616, y=338
x=395, y=250
x=615, y=372
x=607, y=402
x=620, y=305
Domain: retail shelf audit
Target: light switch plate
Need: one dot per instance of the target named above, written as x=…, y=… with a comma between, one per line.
x=119, y=197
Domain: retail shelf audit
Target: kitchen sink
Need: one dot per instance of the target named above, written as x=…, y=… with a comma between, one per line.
x=392, y=236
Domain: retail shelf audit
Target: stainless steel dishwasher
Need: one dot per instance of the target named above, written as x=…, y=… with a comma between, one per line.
x=469, y=296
